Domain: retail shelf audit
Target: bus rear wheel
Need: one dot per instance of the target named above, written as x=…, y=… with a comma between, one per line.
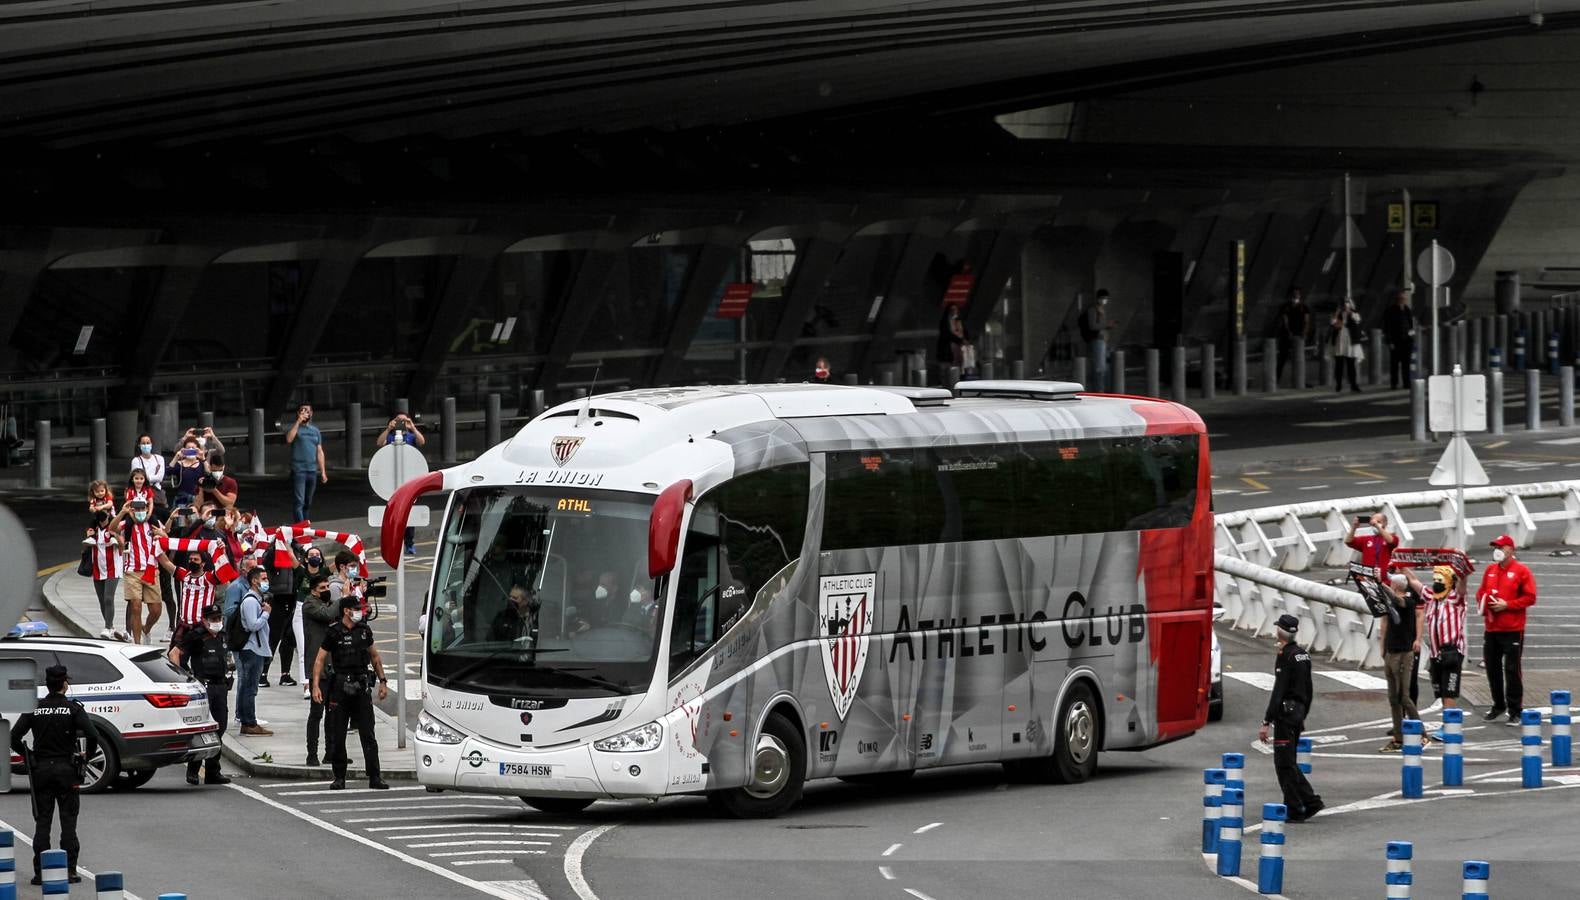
x=557, y=806
x=1076, y=731
x=778, y=774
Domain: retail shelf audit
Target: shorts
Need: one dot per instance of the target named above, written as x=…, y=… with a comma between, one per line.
x=133, y=588
x=1444, y=671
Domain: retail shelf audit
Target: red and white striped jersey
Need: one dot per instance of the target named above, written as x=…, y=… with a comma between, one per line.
x=106, y=555
x=141, y=553
x=197, y=591
x=1445, y=620
x=143, y=493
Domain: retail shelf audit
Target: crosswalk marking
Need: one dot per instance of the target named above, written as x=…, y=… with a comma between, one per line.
x=479, y=844
x=1561, y=441
x=1260, y=680
x=1359, y=680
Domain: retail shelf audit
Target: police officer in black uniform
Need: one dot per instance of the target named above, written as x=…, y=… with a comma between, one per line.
x=1286, y=716
x=341, y=676
x=54, y=766
x=202, y=652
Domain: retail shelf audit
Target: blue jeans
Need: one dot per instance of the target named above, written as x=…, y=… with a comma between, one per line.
x=249, y=668
x=303, y=486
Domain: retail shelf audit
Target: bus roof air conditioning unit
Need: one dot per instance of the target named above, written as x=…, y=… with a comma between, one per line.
x=1019, y=390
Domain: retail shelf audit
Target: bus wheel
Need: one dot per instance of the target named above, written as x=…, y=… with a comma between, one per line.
x=1074, y=756
x=557, y=806
x=778, y=774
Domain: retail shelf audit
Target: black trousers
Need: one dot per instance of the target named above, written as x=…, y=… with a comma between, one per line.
x=54, y=783
x=1345, y=366
x=341, y=713
x=219, y=708
x=1399, y=364
x=1501, y=650
x=315, y=727
x=1297, y=791
x=281, y=611
x=1286, y=348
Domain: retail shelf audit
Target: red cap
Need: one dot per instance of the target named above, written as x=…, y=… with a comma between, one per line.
x=1502, y=540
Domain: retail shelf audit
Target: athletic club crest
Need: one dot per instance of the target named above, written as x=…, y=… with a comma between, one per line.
x=563, y=448
x=846, y=606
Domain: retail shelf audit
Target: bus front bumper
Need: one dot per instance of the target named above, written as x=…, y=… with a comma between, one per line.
x=578, y=771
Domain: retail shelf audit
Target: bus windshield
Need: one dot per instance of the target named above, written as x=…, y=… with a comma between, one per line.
x=544, y=592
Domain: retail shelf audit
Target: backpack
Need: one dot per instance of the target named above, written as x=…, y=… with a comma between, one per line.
x=236, y=634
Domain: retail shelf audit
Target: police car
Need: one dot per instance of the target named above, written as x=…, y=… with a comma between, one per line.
x=147, y=712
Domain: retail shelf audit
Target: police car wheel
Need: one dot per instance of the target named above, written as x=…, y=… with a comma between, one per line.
x=778, y=774
x=103, y=766
x=132, y=779
x=557, y=806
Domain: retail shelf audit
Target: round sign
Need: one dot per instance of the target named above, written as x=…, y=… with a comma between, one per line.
x=18, y=569
x=1445, y=265
x=394, y=465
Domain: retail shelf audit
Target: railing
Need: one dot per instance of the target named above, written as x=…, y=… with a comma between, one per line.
x=1258, y=548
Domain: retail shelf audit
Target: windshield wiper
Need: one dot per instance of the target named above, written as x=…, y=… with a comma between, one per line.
x=597, y=680
x=474, y=665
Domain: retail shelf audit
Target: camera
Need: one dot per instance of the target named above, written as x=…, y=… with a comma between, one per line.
x=378, y=587
x=208, y=480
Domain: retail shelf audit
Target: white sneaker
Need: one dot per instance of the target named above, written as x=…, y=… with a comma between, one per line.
x=106, y=634
x=120, y=635
x=307, y=694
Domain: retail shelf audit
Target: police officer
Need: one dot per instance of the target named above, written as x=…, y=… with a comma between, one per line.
x=1286, y=717
x=202, y=652
x=340, y=676
x=56, y=724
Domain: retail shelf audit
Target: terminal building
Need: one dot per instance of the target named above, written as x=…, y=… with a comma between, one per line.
x=237, y=206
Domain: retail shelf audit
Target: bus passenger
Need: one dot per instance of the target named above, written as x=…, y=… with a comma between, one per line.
x=514, y=622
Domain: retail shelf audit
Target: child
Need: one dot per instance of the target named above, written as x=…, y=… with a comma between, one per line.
x=100, y=498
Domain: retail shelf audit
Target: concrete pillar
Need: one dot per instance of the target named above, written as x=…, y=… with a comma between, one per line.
x=1418, y=410
x=492, y=426
x=886, y=377
x=447, y=425
x=987, y=371
x=353, y=438
x=255, y=442
x=170, y=414
x=1270, y=366
x=1506, y=291
x=1377, y=364
x=1299, y=364
x=1495, y=400
x=851, y=379
x=1209, y=370
x=951, y=377
x=1566, y=396
x=535, y=403
x=1237, y=359
x=99, y=465
x=1078, y=371
x=123, y=433
x=1116, y=372
x=1154, y=377
x=1477, y=340
x=1533, y=400
x=43, y=455
x=1503, y=340
x=1177, y=379
x=206, y=419
x=1326, y=373
x=1017, y=370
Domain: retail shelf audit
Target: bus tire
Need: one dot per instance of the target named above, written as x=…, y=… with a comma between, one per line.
x=778, y=774
x=1076, y=731
x=558, y=806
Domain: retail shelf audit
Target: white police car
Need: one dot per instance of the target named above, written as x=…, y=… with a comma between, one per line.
x=148, y=713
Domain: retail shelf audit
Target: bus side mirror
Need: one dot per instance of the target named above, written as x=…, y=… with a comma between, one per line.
x=392, y=534
x=663, y=528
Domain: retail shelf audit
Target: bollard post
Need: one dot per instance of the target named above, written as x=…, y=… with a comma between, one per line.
x=951, y=377
x=1211, y=808
x=492, y=428
x=1325, y=371
x=1375, y=369
x=1230, y=827
x=1533, y=400
x=1234, y=770
x=1530, y=749
x=255, y=442
x=1495, y=399
x=109, y=886
x=52, y=872
x=1298, y=351
x=536, y=403
x=1410, y=775
x=172, y=897
x=97, y=435
x=1116, y=372
x=1453, y=747
x=1495, y=359
x=7, y=864
x=1177, y=377
x=123, y=432
x=850, y=381
x=1154, y=377
x=1552, y=353
x=1477, y=341
x=986, y=370
x=1017, y=370
x=43, y=462
x=1270, y=366
x=1566, y=396
x=1270, y=867
x=1400, y=878
x=1418, y=410
x=1519, y=350
x=1238, y=359
x=1303, y=755
x=1477, y=875
x=447, y=425
x=354, y=435
x=1077, y=372
x=1562, y=755
x=1209, y=370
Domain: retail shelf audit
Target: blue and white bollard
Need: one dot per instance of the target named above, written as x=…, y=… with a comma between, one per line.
x=52, y=871
x=1234, y=769
x=1400, y=876
x=172, y=897
x=1270, y=868
x=7, y=864
x=109, y=886
x=1410, y=775
x=1477, y=874
x=1230, y=827
x=1453, y=747
x=1562, y=754
x=1530, y=749
x=1303, y=755
x=1495, y=358
x=1211, y=808
x=1552, y=353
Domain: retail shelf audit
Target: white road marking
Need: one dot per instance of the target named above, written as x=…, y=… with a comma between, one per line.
x=1339, y=423
x=892, y=848
x=436, y=802
x=1372, y=481
x=525, y=889
x=1563, y=441
x=478, y=844
x=1317, y=487
x=453, y=853
x=926, y=828
x=495, y=831
x=1359, y=680
x=350, y=791
x=425, y=818
x=293, y=784
x=481, y=862
x=573, y=860
x=1259, y=680
x=1254, y=493
x=87, y=876
x=455, y=824
x=1211, y=859
x=480, y=886
x=886, y=872
x=917, y=894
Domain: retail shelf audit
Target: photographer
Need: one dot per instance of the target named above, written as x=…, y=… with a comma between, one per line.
x=215, y=486
x=403, y=430
x=342, y=665
x=308, y=469
x=186, y=469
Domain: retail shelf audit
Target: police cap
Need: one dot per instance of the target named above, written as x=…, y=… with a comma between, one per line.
x=1289, y=623
x=213, y=611
x=55, y=674
x=349, y=601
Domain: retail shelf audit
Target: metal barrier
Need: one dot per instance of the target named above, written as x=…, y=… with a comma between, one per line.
x=1338, y=621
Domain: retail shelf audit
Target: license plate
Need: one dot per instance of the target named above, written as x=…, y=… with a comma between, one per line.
x=531, y=770
x=206, y=738
x=193, y=720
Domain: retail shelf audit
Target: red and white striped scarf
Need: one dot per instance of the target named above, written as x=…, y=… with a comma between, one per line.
x=224, y=571
x=303, y=533
x=106, y=555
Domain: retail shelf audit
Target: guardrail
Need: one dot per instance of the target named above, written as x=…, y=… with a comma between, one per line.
x=1257, y=548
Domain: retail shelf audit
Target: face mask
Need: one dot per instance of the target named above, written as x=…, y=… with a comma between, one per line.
x=215, y=627
x=209, y=522
x=263, y=587
x=602, y=593
x=145, y=448
x=217, y=473
x=202, y=442
x=1499, y=556
x=1439, y=587
x=314, y=562
x=1102, y=301
x=356, y=616
x=636, y=596
x=140, y=516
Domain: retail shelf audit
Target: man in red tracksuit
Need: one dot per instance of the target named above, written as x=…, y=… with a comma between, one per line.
x=1507, y=590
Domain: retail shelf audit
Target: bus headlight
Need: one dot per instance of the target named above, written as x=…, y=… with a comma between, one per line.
x=436, y=732
x=645, y=738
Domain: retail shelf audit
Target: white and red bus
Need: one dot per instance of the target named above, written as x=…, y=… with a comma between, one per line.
x=732, y=590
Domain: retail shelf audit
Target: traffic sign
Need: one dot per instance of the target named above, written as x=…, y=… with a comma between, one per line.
x=1396, y=217
x=1459, y=465
x=1438, y=276
x=1440, y=403
x=418, y=518
x=394, y=465
x=1424, y=215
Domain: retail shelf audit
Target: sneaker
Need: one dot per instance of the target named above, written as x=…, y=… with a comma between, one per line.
x=411, y=549
x=263, y=681
x=1514, y=720
x=256, y=730
x=216, y=779
x=307, y=693
x=1430, y=738
x=287, y=681
x=192, y=777
x=378, y=784
x=119, y=635
x=106, y=634
x=1436, y=736
x=312, y=759
x=1315, y=808
x=1492, y=714
x=1390, y=747
x=339, y=784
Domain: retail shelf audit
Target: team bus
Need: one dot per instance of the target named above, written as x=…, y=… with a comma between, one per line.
x=732, y=590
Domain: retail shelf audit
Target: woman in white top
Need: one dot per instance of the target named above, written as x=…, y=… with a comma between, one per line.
x=153, y=466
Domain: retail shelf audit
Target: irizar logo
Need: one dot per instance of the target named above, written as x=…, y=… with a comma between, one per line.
x=562, y=448
x=845, y=608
